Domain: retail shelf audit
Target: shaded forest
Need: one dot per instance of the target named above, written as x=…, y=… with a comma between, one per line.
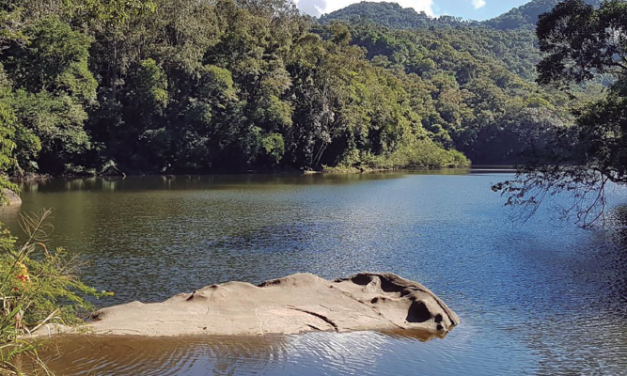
x=179, y=86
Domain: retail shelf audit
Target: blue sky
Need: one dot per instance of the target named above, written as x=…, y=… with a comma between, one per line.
x=468, y=9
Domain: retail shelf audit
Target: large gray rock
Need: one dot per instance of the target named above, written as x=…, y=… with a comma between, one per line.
x=12, y=198
x=294, y=304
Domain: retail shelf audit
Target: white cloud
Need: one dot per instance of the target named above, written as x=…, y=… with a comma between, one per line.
x=317, y=7
x=478, y=4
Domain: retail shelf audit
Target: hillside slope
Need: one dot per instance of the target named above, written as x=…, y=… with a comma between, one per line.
x=394, y=16
x=526, y=16
x=472, y=83
x=390, y=15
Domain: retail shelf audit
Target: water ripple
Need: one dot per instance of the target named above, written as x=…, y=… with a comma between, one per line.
x=543, y=298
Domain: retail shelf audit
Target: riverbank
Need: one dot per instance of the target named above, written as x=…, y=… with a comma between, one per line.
x=327, y=171
x=456, y=162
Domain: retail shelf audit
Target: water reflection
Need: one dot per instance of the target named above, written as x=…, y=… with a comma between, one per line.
x=311, y=354
x=546, y=298
x=215, y=182
x=164, y=356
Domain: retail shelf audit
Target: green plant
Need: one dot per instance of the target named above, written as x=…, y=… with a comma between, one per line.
x=38, y=286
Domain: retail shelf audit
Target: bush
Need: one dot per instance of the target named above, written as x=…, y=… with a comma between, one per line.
x=417, y=154
x=38, y=286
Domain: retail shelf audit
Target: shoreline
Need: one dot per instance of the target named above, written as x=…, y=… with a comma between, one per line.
x=421, y=335
x=42, y=178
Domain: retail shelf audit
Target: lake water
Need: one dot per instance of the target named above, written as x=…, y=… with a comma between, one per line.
x=540, y=298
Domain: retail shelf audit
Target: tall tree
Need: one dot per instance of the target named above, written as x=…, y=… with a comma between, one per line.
x=581, y=42
x=54, y=86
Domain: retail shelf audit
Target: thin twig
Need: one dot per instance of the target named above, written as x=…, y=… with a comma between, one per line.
x=46, y=320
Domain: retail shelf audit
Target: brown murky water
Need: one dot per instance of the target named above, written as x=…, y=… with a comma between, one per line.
x=544, y=298
x=214, y=355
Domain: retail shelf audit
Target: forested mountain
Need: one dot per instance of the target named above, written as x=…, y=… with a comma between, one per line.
x=394, y=16
x=186, y=86
x=473, y=87
x=580, y=43
x=390, y=15
x=483, y=97
x=181, y=86
x=526, y=16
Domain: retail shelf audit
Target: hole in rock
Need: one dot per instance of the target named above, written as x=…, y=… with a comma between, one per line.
x=418, y=312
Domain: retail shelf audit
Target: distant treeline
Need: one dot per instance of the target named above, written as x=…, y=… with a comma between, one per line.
x=394, y=16
x=197, y=86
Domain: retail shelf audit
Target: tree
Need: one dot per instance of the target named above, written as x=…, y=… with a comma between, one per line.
x=54, y=86
x=7, y=135
x=581, y=42
x=10, y=33
x=179, y=86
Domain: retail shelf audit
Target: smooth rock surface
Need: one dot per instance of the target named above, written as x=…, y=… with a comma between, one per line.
x=13, y=199
x=294, y=304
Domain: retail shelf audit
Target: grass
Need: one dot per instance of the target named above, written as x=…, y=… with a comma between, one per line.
x=38, y=286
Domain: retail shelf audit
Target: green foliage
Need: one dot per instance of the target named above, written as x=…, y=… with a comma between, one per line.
x=9, y=27
x=7, y=135
x=467, y=86
x=54, y=61
x=51, y=126
x=109, y=11
x=151, y=90
x=274, y=147
x=38, y=286
x=43, y=283
x=54, y=88
x=8, y=125
x=581, y=42
x=390, y=15
x=181, y=86
x=527, y=15
x=393, y=16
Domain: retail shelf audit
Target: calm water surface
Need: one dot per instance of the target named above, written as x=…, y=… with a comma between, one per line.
x=541, y=298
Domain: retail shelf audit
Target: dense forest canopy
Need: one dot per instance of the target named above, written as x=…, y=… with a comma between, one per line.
x=580, y=42
x=391, y=15
x=180, y=86
x=526, y=16
x=394, y=16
